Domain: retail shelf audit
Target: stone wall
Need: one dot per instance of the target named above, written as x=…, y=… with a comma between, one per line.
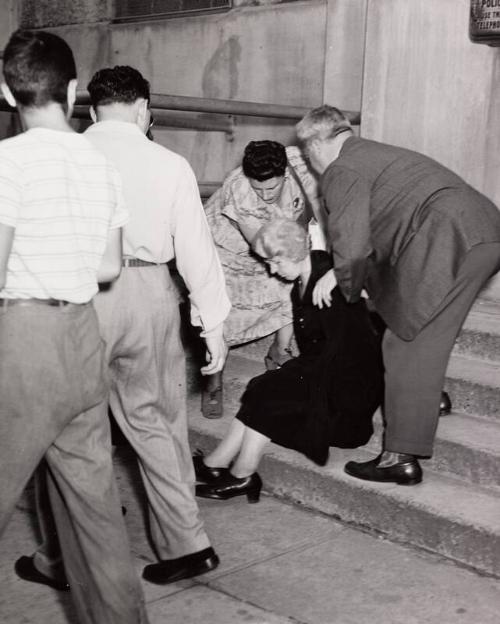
x=259, y=51
x=426, y=86
x=409, y=66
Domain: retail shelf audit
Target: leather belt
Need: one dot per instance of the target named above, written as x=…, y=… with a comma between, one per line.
x=59, y=303
x=135, y=262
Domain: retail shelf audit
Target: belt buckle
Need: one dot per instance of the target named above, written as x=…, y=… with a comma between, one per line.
x=57, y=303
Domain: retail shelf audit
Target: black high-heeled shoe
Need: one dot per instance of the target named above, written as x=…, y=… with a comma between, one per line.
x=229, y=486
x=204, y=473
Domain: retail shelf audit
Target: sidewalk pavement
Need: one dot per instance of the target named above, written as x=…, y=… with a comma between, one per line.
x=279, y=564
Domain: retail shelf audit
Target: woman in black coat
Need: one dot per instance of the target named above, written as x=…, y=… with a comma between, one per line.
x=324, y=397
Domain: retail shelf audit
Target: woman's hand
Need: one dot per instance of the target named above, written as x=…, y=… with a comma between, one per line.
x=322, y=293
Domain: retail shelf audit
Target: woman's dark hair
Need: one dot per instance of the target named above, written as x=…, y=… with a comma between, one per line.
x=38, y=67
x=121, y=83
x=263, y=160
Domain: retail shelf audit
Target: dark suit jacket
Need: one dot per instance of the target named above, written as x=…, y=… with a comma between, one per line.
x=400, y=225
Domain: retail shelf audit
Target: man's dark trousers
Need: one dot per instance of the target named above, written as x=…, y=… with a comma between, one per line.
x=415, y=370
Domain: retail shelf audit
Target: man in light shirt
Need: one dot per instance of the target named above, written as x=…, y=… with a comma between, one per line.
x=140, y=322
x=61, y=213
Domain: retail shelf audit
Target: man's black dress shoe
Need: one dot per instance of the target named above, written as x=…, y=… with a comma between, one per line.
x=25, y=569
x=172, y=570
x=205, y=473
x=445, y=404
x=406, y=471
x=228, y=486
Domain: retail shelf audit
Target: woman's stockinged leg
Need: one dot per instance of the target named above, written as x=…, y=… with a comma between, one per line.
x=228, y=447
x=243, y=445
x=279, y=351
x=283, y=338
x=247, y=445
x=252, y=448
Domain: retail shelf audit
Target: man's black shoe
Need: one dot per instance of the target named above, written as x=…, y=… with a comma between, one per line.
x=25, y=569
x=405, y=471
x=172, y=570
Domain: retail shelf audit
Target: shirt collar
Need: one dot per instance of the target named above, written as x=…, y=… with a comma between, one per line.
x=115, y=126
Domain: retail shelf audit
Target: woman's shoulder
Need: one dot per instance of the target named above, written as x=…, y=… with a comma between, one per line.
x=233, y=176
x=235, y=192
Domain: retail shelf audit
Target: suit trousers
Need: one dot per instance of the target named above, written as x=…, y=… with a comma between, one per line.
x=140, y=322
x=54, y=403
x=415, y=370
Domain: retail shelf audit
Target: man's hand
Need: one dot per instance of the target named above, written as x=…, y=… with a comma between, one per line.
x=216, y=354
x=322, y=293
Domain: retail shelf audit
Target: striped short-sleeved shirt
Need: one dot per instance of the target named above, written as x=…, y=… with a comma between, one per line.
x=62, y=197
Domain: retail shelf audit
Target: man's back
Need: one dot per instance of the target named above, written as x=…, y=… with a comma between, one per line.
x=400, y=224
x=167, y=219
x=404, y=189
x=152, y=178
x=62, y=196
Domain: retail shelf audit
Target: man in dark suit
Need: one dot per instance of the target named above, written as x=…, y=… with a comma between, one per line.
x=423, y=243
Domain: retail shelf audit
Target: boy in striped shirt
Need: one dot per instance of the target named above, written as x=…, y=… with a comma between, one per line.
x=61, y=213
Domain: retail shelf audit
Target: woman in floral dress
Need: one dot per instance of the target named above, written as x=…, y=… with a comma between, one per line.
x=273, y=182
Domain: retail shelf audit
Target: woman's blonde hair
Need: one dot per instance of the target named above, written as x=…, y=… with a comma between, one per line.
x=282, y=237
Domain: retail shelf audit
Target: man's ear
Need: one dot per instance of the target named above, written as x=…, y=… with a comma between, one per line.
x=7, y=93
x=71, y=94
x=142, y=114
x=314, y=144
x=92, y=113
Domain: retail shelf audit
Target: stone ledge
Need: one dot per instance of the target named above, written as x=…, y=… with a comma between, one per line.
x=445, y=514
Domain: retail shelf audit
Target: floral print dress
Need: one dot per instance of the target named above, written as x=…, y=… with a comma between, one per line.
x=260, y=301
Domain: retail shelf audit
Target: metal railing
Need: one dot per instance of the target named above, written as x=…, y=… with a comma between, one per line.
x=162, y=102
x=227, y=107
x=207, y=114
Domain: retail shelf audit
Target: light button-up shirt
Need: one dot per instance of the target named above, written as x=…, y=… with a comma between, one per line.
x=167, y=218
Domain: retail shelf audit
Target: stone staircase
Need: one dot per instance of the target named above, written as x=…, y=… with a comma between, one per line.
x=455, y=512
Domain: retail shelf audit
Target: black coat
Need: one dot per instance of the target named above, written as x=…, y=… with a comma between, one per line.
x=327, y=395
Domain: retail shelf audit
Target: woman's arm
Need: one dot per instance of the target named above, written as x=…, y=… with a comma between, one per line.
x=322, y=293
x=248, y=232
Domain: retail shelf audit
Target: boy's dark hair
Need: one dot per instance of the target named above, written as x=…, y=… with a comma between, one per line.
x=38, y=66
x=118, y=84
x=263, y=160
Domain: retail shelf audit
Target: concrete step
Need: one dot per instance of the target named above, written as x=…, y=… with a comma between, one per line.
x=474, y=385
x=446, y=514
x=480, y=335
x=473, y=382
x=467, y=447
x=479, y=338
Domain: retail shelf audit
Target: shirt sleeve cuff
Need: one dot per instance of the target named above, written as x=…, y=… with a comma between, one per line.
x=212, y=317
x=215, y=332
